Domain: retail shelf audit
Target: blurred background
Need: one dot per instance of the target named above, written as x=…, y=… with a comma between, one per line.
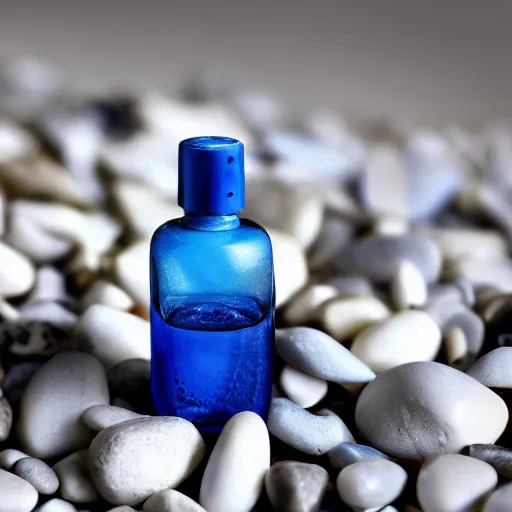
x=427, y=63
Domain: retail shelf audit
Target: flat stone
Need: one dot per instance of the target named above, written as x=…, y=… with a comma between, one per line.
x=51, y=408
x=306, y=432
x=302, y=389
x=17, y=274
x=170, y=500
x=56, y=505
x=421, y=409
x=408, y=288
x=494, y=369
x=349, y=453
x=498, y=457
x=17, y=494
x=317, y=354
x=377, y=257
x=440, y=487
x=37, y=473
x=296, y=486
x=99, y=417
x=406, y=337
x=75, y=482
x=343, y=318
x=126, y=470
x=371, y=484
x=499, y=500
x=9, y=457
x=112, y=335
x=234, y=476
x=304, y=307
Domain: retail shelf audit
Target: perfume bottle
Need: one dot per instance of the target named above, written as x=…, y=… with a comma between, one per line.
x=212, y=294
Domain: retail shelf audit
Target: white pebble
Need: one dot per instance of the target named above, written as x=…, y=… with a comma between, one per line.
x=406, y=337
x=56, y=505
x=408, y=287
x=99, y=417
x=49, y=285
x=234, y=476
x=455, y=344
x=494, y=369
x=345, y=317
x=9, y=457
x=131, y=267
x=75, y=482
x=301, y=388
x=303, y=307
x=107, y=294
x=170, y=500
x=499, y=500
x=453, y=482
x=390, y=225
x=17, y=274
x=16, y=494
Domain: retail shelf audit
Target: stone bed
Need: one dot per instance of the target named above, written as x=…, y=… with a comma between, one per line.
x=394, y=281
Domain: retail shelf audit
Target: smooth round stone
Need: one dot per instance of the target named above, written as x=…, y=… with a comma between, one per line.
x=290, y=266
x=302, y=389
x=75, y=482
x=306, y=432
x=170, y=500
x=351, y=285
x=131, y=267
x=37, y=473
x=112, y=335
x=17, y=495
x=495, y=272
x=349, y=453
x=5, y=417
x=371, y=484
x=440, y=486
x=127, y=470
x=304, y=306
x=408, y=288
x=456, y=345
x=499, y=500
x=494, y=369
x=377, y=257
x=317, y=354
x=53, y=403
x=130, y=380
x=49, y=286
x=56, y=505
x=17, y=274
x=406, y=337
x=107, y=294
x=9, y=457
x=421, y=409
x=99, y=417
x=343, y=318
x=498, y=457
x=297, y=211
x=333, y=237
x=234, y=476
x=296, y=486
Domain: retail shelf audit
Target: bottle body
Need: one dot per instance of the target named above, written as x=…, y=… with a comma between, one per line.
x=212, y=319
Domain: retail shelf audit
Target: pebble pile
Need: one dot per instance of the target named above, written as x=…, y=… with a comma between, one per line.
x=392, y=247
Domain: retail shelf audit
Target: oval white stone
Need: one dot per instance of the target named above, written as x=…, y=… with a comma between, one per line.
x=303, y=307
x=408, y=287
x=406, y=337
x=234, y=475
x=16, y=495
x=499, y=500
x=494, y=369
x=17, y=274
x=301, y=388
x=170, y=500
x=99, y=417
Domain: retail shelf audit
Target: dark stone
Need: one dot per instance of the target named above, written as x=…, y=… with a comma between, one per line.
x=118, y=117
x=35, y=338
x=17, y=379
x=498, y=457
x=296, y=486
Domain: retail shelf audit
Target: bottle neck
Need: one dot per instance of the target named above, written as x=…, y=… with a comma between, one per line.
x=211, y=222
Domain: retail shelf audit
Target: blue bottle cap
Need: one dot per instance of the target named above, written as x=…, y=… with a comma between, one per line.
x=211, y=178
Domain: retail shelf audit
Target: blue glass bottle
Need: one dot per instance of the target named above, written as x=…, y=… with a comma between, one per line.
x=212, y=294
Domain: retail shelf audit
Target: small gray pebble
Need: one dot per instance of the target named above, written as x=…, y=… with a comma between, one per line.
x=39, y=474
x=349, y=453
x=5, y=418
x=377, y=257
x=498, y=457
x=296, y=486
x=314, y=435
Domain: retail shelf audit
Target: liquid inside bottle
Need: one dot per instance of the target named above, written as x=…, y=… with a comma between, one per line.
x=220, y=351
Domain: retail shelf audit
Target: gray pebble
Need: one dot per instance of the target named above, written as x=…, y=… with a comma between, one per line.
x=170, y=500
x=9, y=457
x=296, y=486
x=39, y=474
x=494, y=369
x=349, y=453
x=351, y=285
x=498, y=457
x=314, y=435
x=377, y=257
x=317, y=354
x=99, y=417
x=5, y=417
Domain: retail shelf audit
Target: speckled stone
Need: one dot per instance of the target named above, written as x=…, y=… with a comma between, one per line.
x=168, y=500
x=348, y=453
x=317, y=354
x=39, y=474
x=306, y=432
x=296, y=486
x=494, y=369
